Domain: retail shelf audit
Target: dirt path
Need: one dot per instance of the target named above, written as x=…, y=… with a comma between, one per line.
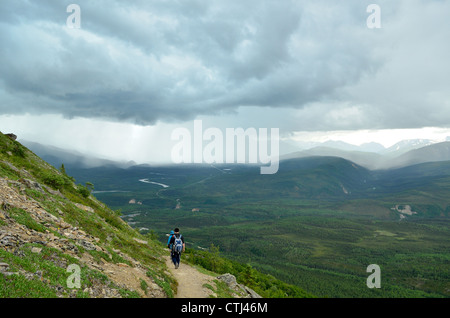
x=190, y=281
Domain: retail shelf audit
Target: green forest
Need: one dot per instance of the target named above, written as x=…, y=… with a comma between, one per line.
x=317, y=224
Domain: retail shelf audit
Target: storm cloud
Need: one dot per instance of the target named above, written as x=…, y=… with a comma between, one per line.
x=145, y=62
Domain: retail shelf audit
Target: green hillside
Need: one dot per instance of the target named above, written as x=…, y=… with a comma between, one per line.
x=47, y=223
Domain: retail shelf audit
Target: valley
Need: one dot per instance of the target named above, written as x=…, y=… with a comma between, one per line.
x=318, y=223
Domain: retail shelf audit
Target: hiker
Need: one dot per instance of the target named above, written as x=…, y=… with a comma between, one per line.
x=177, y=246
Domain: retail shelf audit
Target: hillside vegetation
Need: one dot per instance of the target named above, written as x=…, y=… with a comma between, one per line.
x=50, y=228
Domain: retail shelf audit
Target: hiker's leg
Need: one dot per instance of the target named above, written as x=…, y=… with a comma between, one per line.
x=174, y=258
x=177, y=260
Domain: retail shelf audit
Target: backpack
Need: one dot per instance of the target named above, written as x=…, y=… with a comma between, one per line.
x=170, y=238
x=177, y=245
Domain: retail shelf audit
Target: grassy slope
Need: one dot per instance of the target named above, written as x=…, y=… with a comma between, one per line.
x=113, y=234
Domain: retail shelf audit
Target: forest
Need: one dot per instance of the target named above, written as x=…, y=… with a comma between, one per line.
x=317, y=224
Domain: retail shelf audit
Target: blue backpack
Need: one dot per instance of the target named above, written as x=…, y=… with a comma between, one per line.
x=170, y=237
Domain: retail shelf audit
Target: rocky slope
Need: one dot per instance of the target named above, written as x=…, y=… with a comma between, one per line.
x=47, y=226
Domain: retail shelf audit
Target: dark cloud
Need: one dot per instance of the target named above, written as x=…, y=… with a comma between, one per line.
x=149, y=61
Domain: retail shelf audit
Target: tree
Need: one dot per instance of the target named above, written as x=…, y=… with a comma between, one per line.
x=90, y=186
x=84, y=191
x=217, y=263
x=54, y=180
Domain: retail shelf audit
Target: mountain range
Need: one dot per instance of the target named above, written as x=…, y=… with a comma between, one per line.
x=374, y=147
x=405, y=153
x=372, y=156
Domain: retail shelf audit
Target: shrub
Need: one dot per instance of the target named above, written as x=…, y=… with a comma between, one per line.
x=19, y=150
x=84, y=191
x=54, y=180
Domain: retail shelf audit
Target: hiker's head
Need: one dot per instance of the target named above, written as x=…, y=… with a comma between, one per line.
x=177, y=230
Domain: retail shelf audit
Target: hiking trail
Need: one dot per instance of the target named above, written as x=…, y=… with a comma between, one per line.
x=190, y=281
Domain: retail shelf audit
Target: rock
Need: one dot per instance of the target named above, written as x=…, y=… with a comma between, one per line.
x=12, y=136
x=54, y=192
x=9, y=273
x=97, y=266
x=68, y=235
x=63, y=225
x=9, y=240
x=251, y=292
x=89, y=290
x=84, y=207
x=122, y=265
x=228, y=279
x=11, y=166
x=87, y=245
x=140, y=241
x=40, y=242
x=36, y=250
x=32, y=185
x=4, y=267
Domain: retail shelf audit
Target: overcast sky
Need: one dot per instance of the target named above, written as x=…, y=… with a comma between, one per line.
x=136, y=70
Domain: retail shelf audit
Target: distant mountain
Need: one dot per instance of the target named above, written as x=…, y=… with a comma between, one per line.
x=309, y=178
x=366, y=147
x=407, y=145
x=404, y=153
x=372, y=156
x=431, y=153
x=369, y=160
x=57, y=156
x=372, y=147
